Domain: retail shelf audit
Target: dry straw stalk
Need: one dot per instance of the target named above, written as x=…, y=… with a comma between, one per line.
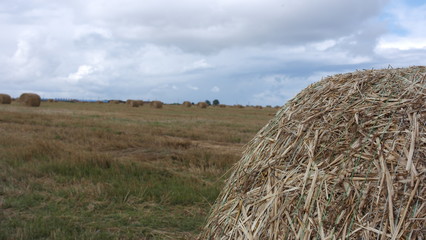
x=344, y=159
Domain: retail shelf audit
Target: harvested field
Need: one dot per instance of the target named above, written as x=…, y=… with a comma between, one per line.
x=110, y=171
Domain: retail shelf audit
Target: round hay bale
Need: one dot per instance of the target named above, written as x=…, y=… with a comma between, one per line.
x=222, y=105
x=30, y=99
x=202, y=105
x=139, y=102
x=134, y=104
x=156, y=104
x=5, y=99
x=344, y=159
x=187, y=104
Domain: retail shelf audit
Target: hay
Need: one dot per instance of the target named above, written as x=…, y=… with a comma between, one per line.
x=30, y=99
x=187, y=104
x=156, y=104
x=133, y=103
x=202, y=105
x=5, y=99
x=344, y=159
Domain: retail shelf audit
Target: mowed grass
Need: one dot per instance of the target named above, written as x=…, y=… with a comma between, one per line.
x=110, y=171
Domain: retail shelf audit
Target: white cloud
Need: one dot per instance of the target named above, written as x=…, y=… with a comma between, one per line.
x=192, y=87
x=83, y=71
x=215, y=89
x=21, y=54
x=401, y=43
x=407, y=25
x=197, y=65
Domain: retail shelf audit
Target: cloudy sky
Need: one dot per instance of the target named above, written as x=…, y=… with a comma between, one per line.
x=257, y=52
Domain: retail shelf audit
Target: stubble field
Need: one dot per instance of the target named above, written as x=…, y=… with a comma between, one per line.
x=110, y=171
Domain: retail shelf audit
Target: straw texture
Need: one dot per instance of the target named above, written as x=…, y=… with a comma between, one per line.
x=344, y=159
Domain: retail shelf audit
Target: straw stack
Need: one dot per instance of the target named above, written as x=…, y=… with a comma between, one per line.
x=344, y=159
x=30, y=99
x=187, y=104
x=157, y=104
x=5, y=98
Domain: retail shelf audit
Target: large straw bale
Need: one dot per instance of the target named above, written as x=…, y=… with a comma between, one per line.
x=5, y=99
x=30, y=99
x=132, y=103
x=156, y=104
x=202, y=105
x=187, y=104
x=344, y=159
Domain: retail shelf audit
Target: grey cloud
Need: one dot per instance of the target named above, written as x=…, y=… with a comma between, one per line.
x=186, y=50
x=200, y=26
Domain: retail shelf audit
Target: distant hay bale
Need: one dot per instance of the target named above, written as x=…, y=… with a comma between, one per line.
x=5, y=99
x=50, y=100
x=156, y=104
x=344, y=159
x=30, y=99
x=187, y=104
x=238, y=106
x=114, y=101
x=139, y=102
x=132, y=103
x=222, y=105
x=202, y=105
